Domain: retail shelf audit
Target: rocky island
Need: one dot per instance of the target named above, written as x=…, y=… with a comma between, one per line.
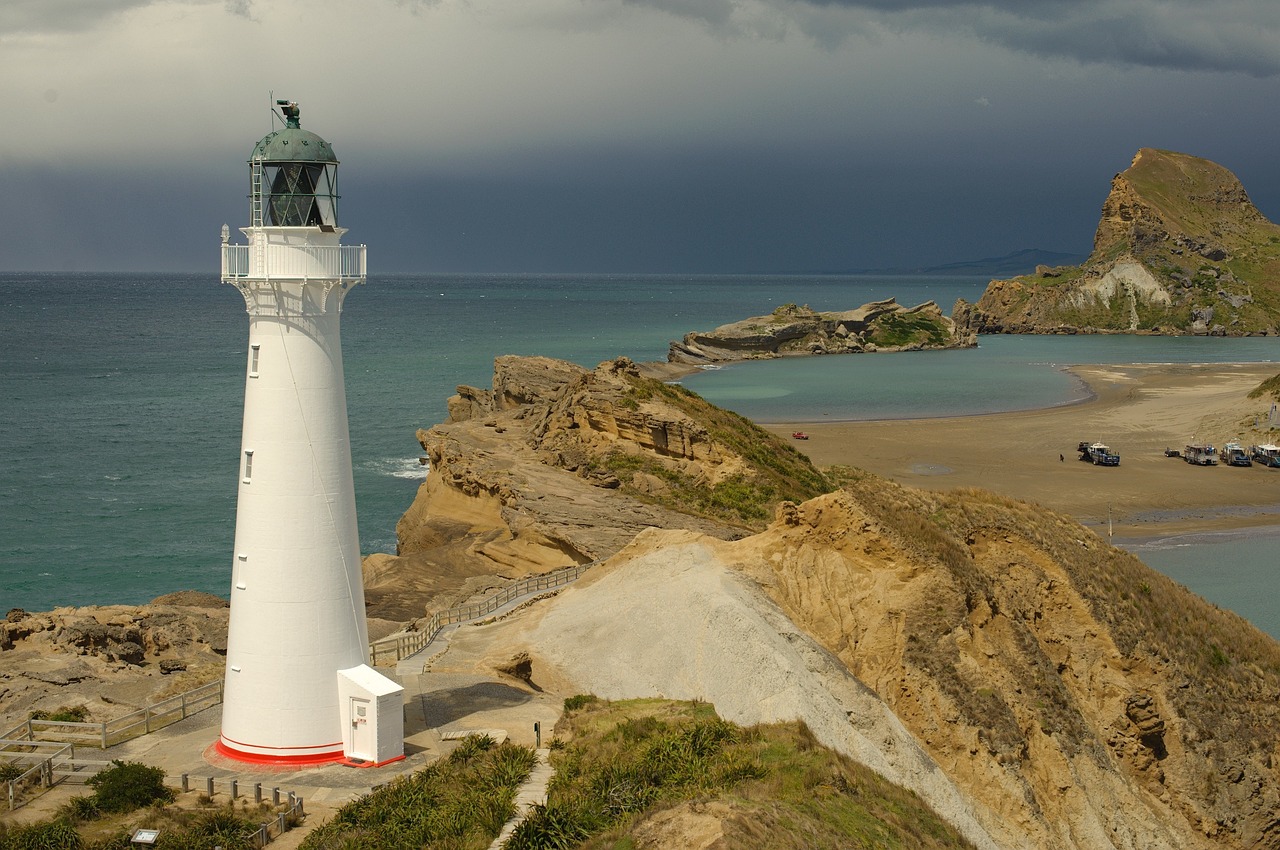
x=795, y=330
x=1179, y=249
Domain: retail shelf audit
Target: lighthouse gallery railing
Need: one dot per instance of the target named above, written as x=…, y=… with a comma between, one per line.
x=295, y=262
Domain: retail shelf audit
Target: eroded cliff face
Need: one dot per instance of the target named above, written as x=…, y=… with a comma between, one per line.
x=558, y=465
x=1076, y=694
x=1179, y=249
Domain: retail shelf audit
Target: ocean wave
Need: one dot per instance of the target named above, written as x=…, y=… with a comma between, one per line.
x=398, y=467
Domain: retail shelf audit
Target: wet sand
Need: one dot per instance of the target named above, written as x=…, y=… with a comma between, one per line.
x=1137, y=410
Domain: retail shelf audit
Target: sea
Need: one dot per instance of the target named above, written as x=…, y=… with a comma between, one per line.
x=121, y=398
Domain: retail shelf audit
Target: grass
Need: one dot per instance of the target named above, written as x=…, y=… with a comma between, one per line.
x=902, y=329
x=773, y=785
x=457, y=803
x=773, y=470
x=1270, y=388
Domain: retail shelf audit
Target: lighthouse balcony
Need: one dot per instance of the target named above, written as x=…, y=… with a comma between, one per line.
x=293, y=262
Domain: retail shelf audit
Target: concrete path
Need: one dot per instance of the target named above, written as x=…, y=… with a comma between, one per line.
x=532, y=793
x=439, y=645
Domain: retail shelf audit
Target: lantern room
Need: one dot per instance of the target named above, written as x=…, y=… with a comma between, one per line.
x=293, y=177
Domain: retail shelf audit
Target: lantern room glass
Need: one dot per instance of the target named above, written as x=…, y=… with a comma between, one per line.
x=300, y=194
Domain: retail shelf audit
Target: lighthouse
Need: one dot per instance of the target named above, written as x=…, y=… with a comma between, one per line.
x=297, y=686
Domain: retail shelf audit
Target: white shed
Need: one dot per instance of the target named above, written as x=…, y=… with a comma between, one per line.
x=372, y=709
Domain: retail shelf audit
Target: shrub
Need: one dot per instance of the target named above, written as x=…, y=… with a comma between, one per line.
x=124, y=787
x=79, y=809
x=66, y=714
x=45, y=835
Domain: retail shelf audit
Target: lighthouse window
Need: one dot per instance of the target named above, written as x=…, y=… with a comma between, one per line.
x=302, y=194
x=253, y=360
x=248, y=466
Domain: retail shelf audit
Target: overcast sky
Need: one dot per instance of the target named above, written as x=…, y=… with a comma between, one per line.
x=622, y=135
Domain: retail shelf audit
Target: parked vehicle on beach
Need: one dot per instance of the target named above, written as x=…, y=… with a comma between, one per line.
x=1233, y=454
x=799, y=435
x=1200, y=455
x=1266, y=454
x=1098, y=453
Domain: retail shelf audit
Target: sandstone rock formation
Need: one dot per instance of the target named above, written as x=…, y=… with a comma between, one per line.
x=109, y=659
x=559, y=465
x=791, y=330
x=1179, y=249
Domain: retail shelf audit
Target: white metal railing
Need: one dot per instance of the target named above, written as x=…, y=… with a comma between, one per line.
x=295, y=262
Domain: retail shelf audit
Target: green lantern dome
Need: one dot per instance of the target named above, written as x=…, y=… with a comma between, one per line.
x=293, y=144
x=293, y=176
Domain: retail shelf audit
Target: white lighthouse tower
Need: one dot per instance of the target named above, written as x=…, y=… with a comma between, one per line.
x=297, y=601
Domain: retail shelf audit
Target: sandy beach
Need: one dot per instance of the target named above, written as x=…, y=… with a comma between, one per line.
x=1137, y=410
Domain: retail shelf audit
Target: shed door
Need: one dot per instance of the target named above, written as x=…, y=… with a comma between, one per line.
x=361, y=729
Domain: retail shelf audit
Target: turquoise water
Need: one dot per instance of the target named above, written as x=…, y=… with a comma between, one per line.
x=120, y=395
x=1003, y=373
x=1236, y=570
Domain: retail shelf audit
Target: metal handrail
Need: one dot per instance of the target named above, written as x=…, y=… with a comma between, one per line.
x=295, y=262
x=405, y=645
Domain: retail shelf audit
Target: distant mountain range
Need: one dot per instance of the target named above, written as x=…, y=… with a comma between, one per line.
x=1017, y=263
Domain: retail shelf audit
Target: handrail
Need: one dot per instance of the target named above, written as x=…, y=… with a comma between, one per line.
x=405, y=645
x=294, y=262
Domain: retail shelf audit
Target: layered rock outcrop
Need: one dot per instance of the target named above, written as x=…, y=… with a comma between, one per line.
x=1179, y=249
x=558, y=465
x=109, y=659
x=792, y=330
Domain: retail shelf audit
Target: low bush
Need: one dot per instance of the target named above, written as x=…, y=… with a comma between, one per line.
x=126, y=786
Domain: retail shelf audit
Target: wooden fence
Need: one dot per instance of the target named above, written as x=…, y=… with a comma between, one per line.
x=54, y=763
x=398, y=647
x=108, y=733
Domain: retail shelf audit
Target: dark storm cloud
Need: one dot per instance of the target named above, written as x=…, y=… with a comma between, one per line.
x=1192, y=35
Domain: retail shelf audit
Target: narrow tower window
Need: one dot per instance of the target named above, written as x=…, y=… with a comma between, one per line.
x=248, y=465
x=254, y=350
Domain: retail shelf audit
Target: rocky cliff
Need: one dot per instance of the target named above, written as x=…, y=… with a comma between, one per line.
x=1038, y=688
x=558, y=465
x=791, y=330
x=1179, y=249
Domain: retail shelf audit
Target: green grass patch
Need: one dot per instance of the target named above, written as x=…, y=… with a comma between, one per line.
x=774, y=471
x=775, y=785
x=460, y=803
x=1268, y=388
x=901, y=329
